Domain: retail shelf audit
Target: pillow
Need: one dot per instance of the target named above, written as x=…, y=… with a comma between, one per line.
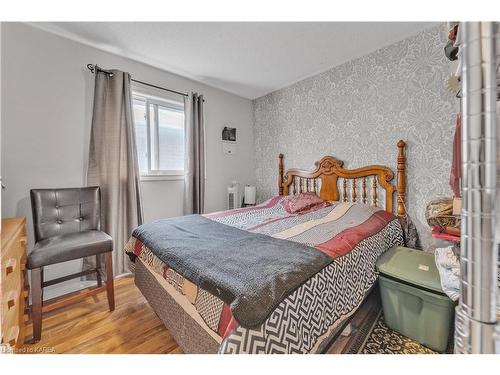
x=303, y=203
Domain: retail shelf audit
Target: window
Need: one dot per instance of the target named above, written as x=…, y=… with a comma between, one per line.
x=159, y=127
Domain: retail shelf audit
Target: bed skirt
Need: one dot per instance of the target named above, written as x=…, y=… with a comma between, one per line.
x=187, y=332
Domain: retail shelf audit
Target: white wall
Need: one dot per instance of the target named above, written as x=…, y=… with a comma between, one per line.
x=47, y=106
x=170, y=193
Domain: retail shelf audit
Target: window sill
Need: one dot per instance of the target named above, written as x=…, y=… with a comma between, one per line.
x=165, y=177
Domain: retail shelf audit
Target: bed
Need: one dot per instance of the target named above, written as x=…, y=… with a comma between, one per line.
x=284, y=276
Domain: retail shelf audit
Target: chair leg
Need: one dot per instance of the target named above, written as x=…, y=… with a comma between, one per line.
x=98, y=268
x=42, y=277
x=36, y=303
x=110, y=291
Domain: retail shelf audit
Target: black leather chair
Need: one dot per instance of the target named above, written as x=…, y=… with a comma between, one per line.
x=67, y=226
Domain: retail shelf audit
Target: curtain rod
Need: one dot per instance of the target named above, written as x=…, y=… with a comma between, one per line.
x=92, y=68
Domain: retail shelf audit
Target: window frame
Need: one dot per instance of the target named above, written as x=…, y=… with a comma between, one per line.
x=151, y=103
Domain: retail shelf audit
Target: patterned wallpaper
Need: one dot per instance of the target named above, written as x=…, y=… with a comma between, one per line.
x=357, y=111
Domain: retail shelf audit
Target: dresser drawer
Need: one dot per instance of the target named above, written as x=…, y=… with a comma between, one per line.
x=10, y=299
x=13, y=280
x=13, y=336
x=12, y=274
x=11, y=306
x=15, y=248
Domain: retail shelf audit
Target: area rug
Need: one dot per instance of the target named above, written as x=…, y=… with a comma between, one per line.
x=376, y=338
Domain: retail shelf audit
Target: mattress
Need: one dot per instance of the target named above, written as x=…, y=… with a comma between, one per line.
x=305, y=320
x=178, y=315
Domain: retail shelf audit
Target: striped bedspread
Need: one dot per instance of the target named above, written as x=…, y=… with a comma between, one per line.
x=354, y=235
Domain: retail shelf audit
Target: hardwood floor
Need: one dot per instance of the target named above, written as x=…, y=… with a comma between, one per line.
x=89, y=327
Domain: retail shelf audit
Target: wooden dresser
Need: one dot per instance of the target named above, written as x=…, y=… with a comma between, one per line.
x=13, y=281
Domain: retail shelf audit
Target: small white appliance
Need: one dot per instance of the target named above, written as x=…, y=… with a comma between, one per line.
x=249, y=196
x=233, y=195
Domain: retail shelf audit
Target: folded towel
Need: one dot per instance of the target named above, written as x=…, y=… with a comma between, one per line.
x=448, y=266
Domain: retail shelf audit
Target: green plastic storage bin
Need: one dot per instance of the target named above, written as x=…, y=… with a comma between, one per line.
x=413, y=301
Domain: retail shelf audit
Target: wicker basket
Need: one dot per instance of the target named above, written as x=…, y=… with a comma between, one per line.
x=439, y=212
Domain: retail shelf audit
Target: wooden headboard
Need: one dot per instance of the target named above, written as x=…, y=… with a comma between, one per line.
x=358, y=185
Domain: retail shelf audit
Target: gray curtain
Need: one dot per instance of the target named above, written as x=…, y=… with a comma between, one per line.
x=194, y=177
x=113, y=161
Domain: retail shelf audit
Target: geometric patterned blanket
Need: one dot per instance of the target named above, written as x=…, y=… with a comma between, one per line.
x=355, y=235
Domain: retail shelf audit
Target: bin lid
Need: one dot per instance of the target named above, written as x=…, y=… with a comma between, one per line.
x=416, y=267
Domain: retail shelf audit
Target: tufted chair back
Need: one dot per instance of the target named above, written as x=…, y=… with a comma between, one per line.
x=63, y=211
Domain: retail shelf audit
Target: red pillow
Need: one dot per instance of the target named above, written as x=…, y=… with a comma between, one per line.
x=303, y=203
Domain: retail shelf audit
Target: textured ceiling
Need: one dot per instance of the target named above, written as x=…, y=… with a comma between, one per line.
x=247, y=59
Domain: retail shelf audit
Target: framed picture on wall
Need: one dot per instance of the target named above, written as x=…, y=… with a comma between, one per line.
x=229, y=134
